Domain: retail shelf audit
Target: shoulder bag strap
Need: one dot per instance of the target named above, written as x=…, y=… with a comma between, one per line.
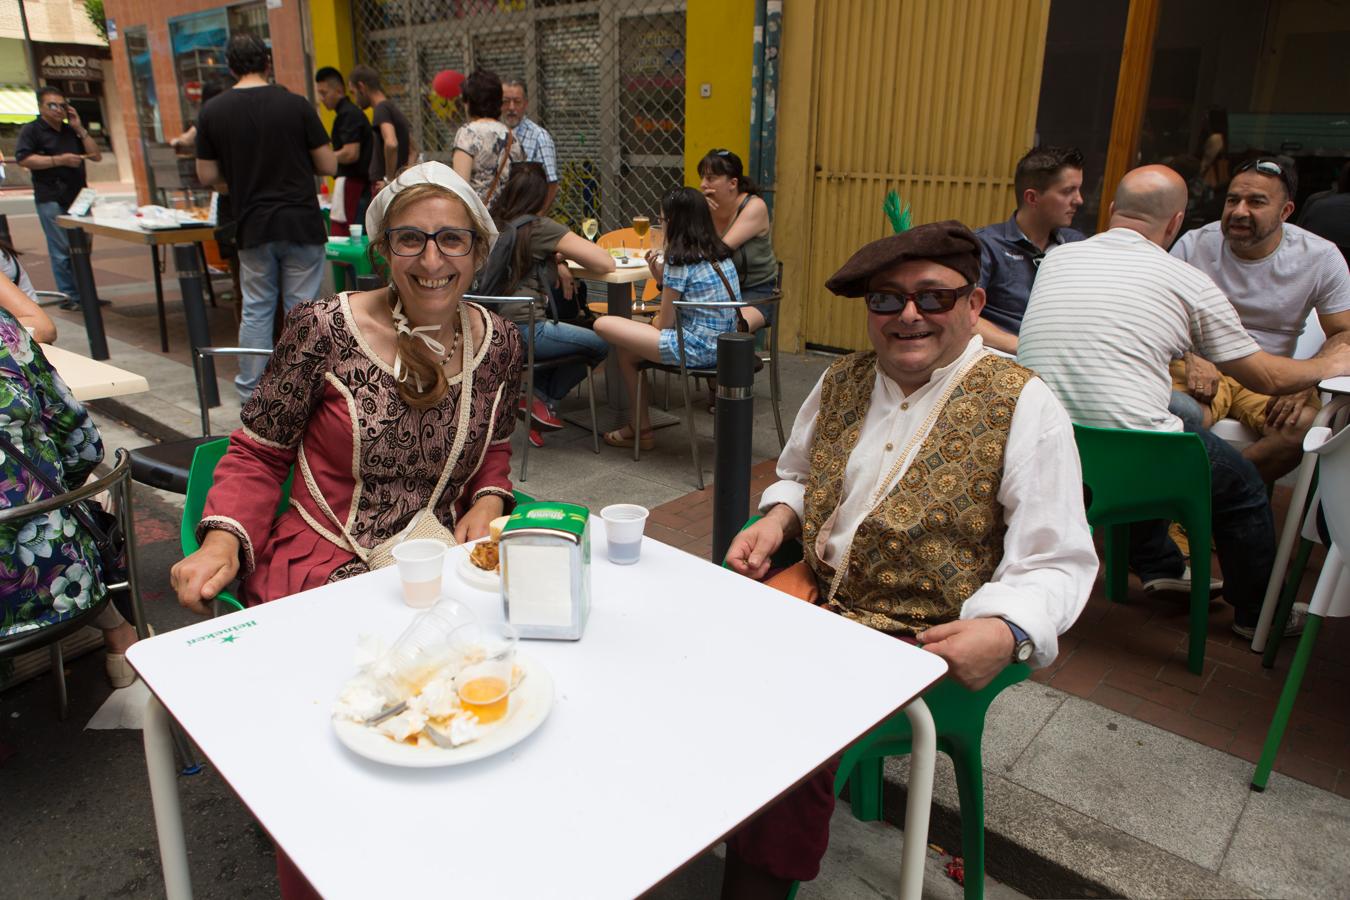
x=501, y=167
x=741, y=324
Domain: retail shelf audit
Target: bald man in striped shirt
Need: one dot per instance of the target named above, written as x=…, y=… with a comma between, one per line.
x=1107, y=316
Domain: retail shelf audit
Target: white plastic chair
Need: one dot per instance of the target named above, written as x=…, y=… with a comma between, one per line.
x=1332, y=595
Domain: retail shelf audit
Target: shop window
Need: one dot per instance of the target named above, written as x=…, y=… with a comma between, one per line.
x=198, y=43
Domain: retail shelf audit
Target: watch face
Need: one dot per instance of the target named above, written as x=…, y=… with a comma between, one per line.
x=1023, y=651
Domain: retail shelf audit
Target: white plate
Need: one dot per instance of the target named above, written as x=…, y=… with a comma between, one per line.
x=476, y=577
x=629, y=263
x=530, y=705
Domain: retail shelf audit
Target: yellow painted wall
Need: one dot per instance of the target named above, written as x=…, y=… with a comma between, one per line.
x=719, y=51
x=330, y=27
x=934, y=99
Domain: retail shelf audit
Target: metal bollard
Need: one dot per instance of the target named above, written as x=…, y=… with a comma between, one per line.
x=187, y=261
x=82, y=269
x=733, y=430
x=4, y=229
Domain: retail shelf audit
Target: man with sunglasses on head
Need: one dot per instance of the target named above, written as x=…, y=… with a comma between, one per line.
x=1275, y=274
x=54, y=147
x=1048, y=182
x=1107, y=316
x=938, y=497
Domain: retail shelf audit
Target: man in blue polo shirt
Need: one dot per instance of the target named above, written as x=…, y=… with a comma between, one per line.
x=54, y=147
x=1048, y=182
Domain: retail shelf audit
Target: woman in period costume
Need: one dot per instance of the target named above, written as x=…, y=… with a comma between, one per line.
x=395, y=408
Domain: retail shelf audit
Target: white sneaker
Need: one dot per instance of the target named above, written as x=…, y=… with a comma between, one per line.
x=1180, y=585
x=1298, y=617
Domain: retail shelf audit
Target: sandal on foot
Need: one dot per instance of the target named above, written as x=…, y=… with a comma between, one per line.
x=120, y=673
x=617, y=438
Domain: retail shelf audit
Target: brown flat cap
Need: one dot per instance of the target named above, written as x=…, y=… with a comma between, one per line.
x=948, y=243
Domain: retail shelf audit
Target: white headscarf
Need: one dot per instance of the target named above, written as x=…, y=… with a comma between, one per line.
x=431, y=173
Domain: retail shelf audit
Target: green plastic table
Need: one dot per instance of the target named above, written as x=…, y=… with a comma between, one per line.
x=350, y=260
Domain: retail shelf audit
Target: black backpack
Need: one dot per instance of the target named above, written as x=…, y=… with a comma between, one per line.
x=495, y=278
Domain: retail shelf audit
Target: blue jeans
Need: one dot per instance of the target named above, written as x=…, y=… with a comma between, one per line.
x=1244, y=533
x=58, y=248
x=554, y=339
x=1188, y=410
x=278, y=268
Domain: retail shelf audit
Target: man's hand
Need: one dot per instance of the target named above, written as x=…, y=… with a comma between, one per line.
x=1285, y=409
x=475, y=522
x=69, y=160
x=750, y=550
x=73, y=117
x=975, y=649
x=205, y=573
x=1202, y=379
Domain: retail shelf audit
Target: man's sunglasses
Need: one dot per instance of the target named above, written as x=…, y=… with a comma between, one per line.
x=928, y=300
x=409, y=241
x=1267, y=167
x=60, y=107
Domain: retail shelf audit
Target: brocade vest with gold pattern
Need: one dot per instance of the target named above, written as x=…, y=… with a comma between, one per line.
x=937, y=536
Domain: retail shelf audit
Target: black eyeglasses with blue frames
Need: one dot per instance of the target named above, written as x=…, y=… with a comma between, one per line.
x=928, y=300
x=408, y=241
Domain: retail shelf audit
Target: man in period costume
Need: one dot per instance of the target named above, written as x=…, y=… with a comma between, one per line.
x=938, y=495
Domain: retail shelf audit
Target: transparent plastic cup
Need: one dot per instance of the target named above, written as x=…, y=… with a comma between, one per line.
x=624, y=524
x=486, y=654
x=425, y=647
x=420, y=564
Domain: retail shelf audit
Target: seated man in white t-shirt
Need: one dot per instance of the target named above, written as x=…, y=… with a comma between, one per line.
x=1274, y=274
x=1106, y=317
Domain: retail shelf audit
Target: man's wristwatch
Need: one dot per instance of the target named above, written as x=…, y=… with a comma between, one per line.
x=1022, y=644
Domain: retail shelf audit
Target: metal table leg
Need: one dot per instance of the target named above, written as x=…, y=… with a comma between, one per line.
x=164, y=797
x=84, y=281
x=618, y=302
x=206, y=274
x=922, y=762
x=156, y=265
x=188, y=264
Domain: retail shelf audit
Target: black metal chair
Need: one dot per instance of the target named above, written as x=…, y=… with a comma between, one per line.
x=117, y=482
x=685, y=371
x=532, y=365
x=166, y=466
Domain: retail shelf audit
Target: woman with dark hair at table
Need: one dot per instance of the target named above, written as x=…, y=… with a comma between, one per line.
x=18, y=298
x=542, y=249
x=485, y=148
x=741, y=218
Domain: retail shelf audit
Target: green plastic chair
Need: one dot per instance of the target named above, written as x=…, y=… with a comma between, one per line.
x=200, y=479
x=1134, y=476
x=958, y=715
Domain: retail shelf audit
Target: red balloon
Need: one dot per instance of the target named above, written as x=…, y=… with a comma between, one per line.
x=447, y=83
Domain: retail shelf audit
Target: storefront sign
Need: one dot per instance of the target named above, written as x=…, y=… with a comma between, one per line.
x=70, y=65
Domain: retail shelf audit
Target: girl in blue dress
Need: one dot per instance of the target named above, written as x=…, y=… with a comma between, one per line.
x=697, y=267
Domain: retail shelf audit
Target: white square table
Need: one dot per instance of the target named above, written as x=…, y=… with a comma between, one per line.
x=695, y=698
x=91, y=379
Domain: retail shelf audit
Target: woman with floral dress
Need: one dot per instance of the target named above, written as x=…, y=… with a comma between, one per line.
x=50, y=569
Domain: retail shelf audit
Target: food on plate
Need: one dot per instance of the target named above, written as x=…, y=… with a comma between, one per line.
x=403, y=709
x=485, y=554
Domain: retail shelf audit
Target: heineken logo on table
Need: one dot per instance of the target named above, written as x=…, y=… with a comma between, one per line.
x=222, y=635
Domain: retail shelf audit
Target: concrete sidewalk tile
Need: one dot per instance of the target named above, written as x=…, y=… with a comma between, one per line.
x=1291, y=841
x=1013, y=720
x=1157, y=786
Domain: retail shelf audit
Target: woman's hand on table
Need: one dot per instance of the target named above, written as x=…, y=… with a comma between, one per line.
x=203, y=574
x=474, y=523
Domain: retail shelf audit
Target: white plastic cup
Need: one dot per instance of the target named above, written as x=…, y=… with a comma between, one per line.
x=420, y=564
x=356, y=232
x=624, y=524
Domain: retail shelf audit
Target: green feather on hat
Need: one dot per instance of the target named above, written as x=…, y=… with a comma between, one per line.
x=898, y=214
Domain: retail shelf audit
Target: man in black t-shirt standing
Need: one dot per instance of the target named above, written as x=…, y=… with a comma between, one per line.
x=264, y=146
x=54, y=147
x=394, y=146
x=353, y=144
